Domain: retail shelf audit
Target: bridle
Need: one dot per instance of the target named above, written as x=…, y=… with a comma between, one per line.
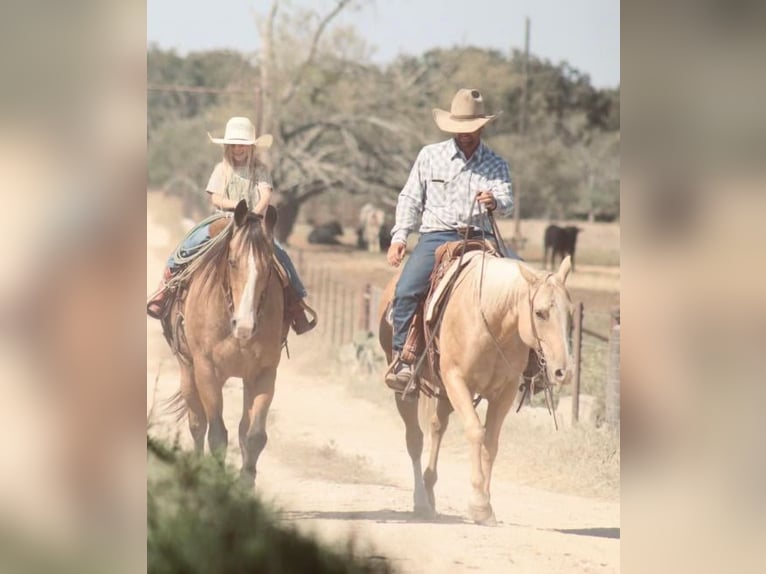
x=531, y=299
x=229, y=297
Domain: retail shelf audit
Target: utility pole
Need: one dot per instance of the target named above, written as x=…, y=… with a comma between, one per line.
x=518, y=239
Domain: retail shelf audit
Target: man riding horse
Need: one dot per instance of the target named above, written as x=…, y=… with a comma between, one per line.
x=445, y=183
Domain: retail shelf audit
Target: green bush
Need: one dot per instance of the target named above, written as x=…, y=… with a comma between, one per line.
x=202, y=520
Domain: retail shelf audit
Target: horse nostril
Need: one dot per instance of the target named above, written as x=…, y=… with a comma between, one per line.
x=559, y=374
x=233, y=323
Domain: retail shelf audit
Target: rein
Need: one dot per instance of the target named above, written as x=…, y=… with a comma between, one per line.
x=539, y=348
x=411, y=384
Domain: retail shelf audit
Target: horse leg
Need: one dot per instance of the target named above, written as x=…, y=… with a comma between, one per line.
x=438, y=423
x=497, y=409
x=257, y=398
x=195, y=411
x=210, y=390
x=408, y=410
x=461, y=399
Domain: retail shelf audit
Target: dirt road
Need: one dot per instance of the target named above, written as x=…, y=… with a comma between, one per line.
x=336, y=465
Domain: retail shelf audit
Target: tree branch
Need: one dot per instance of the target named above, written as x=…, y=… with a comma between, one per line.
x=292, y=86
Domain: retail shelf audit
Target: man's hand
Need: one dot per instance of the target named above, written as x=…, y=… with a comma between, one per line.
x=396, y=253
x=487, y=200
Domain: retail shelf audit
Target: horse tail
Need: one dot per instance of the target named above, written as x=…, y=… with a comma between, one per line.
x=176, y=406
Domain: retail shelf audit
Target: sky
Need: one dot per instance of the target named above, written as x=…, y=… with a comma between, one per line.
x=585, y=33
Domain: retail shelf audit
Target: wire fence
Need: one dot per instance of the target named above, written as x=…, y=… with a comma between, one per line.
x=339, y=307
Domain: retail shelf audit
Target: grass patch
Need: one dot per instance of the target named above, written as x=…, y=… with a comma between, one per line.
x=582, y=460
x=202, y=520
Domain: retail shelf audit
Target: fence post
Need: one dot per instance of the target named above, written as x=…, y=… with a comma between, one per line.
x=365, y=315
x=613, y=375
x=577, y=344
x=331, y=308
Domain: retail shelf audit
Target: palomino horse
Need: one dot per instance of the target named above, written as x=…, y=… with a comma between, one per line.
x=498, y=311
x=232, y=327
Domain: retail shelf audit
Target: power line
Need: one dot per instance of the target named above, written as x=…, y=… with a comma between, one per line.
x=196, y=89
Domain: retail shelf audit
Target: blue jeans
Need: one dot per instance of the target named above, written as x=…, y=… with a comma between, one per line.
x=414, y=281
x=292, y=272
x=192, y=243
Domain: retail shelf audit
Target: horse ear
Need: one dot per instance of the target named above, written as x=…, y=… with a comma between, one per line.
x=240, y=213
x=564, y=269
x=270, y=220
x=529, y=275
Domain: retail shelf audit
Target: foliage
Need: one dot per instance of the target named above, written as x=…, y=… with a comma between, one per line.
x=201, y=519
x=344, y=125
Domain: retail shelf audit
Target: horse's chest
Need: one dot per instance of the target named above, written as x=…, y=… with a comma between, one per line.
x=239, y=360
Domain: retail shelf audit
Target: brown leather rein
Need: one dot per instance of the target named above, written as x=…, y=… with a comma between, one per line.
x=410, y=387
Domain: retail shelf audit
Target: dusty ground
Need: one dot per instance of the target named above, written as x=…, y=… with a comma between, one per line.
x=336, y=465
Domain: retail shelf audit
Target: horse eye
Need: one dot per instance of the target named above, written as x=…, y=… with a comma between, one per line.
x=541, y=314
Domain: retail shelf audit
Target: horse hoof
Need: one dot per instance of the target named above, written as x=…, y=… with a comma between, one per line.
x=483, y=515
x=424, y=511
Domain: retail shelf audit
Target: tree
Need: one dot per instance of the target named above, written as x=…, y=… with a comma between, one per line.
x=321, y=100
x=345, y=126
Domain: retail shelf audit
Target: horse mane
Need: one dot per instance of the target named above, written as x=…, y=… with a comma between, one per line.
x=499, y=280
x=212, y=263
x=502, y=281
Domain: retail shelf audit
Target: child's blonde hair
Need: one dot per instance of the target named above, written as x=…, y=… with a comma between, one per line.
x=252, y=164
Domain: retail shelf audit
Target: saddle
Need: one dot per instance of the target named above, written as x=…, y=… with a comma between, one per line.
x=451, y=259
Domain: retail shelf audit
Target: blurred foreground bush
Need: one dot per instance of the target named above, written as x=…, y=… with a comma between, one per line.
x=201, y=519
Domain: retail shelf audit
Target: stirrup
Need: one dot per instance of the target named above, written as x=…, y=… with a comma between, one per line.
x=305, y=325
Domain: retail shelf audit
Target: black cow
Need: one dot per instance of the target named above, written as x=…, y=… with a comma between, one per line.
x=384, y=237
x=561, y=241
x=326, y=234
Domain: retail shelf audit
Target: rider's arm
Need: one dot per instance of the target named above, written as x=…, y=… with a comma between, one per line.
x=265, y=191
x=222, y=202
x=410, y=203
x=215, y=187
x=500, y=187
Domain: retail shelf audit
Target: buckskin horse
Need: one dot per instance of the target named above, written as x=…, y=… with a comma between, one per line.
x=498, y=310
x=229, y=323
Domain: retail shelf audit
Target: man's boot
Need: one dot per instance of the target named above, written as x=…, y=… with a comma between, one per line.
x=155, y=308
x=398, y=374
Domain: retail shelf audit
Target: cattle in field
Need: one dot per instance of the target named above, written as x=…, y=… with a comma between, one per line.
x=326, y=234
x=373, y=234
x=561, y=241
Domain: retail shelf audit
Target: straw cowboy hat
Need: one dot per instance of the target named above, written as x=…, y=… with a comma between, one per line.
x=466, y=113
x=241, y=131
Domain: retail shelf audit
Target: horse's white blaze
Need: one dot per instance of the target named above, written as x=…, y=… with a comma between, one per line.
x=245, y=312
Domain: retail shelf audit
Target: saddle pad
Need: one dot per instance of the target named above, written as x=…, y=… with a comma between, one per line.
x=438, y=293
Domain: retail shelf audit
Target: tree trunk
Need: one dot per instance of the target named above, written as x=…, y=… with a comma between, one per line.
x=287, y=215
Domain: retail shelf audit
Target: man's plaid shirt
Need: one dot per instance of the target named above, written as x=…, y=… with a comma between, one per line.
x=442, y=186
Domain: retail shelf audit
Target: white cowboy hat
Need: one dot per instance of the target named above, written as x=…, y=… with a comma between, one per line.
x=466, y=113
x=241, y=131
